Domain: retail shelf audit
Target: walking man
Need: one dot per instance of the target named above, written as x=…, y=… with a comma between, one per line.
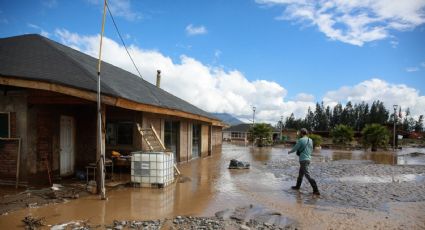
x=304, y=148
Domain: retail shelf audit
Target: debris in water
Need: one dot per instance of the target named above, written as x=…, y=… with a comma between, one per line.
x=33, y=222
x=235, y=164
x=183, y=179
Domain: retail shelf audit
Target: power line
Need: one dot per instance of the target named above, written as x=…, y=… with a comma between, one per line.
x=122, y=40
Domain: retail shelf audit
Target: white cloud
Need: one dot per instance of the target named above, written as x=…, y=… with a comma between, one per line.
x=50, y=3
x=217, y=53
x=217, y=90
x=377, y=89
x=210, y=88
x=120, y=8
x=195, y=30
x=394, y=44
x=412, y=69
x=305, y=97
x=41, y=30
x=354, y=22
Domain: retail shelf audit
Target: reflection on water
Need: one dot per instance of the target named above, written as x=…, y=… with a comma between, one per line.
x=400, y=157
x=212, y=188
x=381, y=179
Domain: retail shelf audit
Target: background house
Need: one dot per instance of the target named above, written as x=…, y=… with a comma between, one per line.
x=48, y=101
x=241, y=132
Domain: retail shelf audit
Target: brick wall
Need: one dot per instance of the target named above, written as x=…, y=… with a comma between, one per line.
x=9, y=153
x=8, y=157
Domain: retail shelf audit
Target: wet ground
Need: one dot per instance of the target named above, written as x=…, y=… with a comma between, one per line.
x=359, y=190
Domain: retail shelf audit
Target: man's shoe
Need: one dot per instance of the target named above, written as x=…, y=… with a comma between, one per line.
x=316, y=193
x=295, y=188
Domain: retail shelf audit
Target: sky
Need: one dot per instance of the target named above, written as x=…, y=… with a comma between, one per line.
x=279, y=56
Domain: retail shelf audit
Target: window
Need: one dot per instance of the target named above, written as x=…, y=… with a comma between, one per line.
x=119, y=133
x=4, y=125
x=196, y=141
x=171, y=136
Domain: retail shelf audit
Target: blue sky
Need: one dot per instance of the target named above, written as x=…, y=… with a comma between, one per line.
x=226, y=56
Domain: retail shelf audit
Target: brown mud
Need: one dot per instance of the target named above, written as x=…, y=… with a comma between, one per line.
x=210, y=187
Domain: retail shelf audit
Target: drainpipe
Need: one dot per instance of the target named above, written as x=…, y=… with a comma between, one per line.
x=158, y=78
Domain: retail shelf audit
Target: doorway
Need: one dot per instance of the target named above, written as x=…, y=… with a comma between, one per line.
x=67, y=148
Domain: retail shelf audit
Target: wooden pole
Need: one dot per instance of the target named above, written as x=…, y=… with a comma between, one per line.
x=18, y=160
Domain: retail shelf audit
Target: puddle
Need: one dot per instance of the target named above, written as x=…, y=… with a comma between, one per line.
x=401, y=157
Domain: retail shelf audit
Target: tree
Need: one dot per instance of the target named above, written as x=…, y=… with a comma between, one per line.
x=309, y=120
x=328, y=113
x=336, y=115
x=347, y=115
x=378, y=113
x=317, y=139
x=320, y=119
x=361, y=112
x=375, y=135
x=419, y=124
x=262, y=132
x=342, y=134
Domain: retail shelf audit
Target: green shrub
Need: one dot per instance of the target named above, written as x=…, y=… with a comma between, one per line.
x=342, y=135
x=374, y=136
x=317, y=139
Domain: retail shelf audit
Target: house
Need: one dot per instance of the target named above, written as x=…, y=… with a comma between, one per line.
x=48, y=112
x=237, y=133
x=241, y=133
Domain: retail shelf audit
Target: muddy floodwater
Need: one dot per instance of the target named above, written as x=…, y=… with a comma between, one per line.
x=360, y=190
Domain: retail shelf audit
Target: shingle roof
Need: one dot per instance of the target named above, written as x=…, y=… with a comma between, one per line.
x=243, y=128
x=38, y=58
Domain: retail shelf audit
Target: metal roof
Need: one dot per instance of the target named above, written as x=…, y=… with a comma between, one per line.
x=38, y=58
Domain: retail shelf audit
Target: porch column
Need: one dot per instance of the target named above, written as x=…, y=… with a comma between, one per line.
x=210, y=141
x=100, y=167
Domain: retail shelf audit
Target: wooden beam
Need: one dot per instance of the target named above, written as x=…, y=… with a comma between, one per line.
x=106, y=99
x=57, y=100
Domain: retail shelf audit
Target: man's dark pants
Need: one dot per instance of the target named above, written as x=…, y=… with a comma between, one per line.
x=304, y=172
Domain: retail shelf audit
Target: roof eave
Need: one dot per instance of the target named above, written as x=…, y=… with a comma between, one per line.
x=106, y=99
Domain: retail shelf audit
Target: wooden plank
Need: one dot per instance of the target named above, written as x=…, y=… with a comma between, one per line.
x=157, y=138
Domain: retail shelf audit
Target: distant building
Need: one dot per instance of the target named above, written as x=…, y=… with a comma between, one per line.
x=241, y=133
x=237, y=133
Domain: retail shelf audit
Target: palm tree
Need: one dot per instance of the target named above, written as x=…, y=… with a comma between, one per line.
x=375, y=135
x=342, y=134
x=262, y=132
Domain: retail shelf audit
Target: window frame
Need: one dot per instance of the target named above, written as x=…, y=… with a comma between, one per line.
x=115, y=130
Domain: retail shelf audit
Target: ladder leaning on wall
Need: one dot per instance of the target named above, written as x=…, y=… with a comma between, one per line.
x=155, y=144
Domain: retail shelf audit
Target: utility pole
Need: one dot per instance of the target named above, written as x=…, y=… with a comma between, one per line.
x=101, y=148
x=395, y=123
x=281, y=126
x=253, y=116
x=253, y=123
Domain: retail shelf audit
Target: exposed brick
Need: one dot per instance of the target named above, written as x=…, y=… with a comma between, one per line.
x=8, y=157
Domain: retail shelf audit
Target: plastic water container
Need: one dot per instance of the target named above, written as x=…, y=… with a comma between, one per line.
x=152, y=168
